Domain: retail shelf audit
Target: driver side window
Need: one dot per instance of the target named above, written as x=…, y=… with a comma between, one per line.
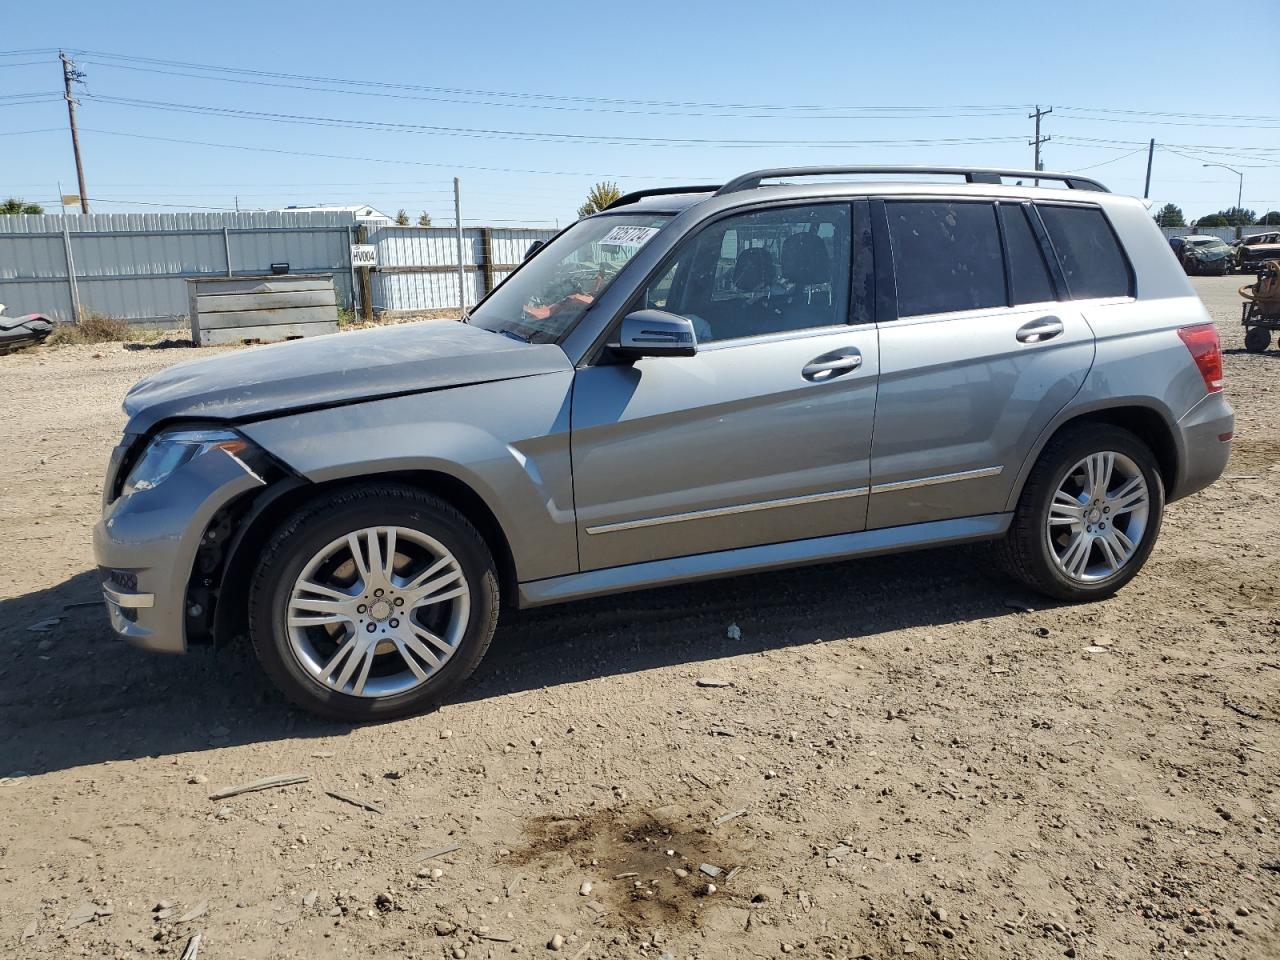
x=763, y=272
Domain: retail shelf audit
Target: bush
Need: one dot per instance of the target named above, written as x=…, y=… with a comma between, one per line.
x=92, y=328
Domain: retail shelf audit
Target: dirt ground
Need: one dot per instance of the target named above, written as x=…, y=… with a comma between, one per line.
x=922, y=758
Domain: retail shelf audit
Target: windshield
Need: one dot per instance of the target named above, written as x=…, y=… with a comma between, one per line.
x=1210, y=244
x=543, y=301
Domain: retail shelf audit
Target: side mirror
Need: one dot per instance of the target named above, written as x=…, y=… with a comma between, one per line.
x=534, y=248
x=656, y=333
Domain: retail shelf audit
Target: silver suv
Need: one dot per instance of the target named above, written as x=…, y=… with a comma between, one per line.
x=697, y=382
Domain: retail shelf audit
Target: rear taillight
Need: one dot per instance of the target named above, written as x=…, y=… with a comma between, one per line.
x=1202, y=341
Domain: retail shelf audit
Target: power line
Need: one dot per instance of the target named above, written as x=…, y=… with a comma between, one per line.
x=874, y=113
x=393, y=160
x=522, y=96
x=41, y=98
x=133, y=62
x=484, y=133
x=1170, y=113
x=1105, y=162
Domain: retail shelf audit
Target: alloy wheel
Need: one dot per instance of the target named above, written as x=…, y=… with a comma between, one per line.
x=1098, y=516
x=378, y=612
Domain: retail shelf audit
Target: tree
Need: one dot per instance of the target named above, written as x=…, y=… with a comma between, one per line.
x=601, y=195
x=1170, y=215
x=402, y=218
x=1238, y=217
x=424, y=219
x=1212, y=220
x=14, y=206
x=1270, y=219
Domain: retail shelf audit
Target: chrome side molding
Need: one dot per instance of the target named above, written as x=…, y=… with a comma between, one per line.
x=936, y=479
x=730, y=511
x=795, y=501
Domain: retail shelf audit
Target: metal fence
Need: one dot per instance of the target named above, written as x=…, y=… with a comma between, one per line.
x=1226, y=233
x=418, y=266
x=134, y=266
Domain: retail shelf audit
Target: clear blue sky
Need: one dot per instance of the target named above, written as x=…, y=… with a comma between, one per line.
x=573, y=73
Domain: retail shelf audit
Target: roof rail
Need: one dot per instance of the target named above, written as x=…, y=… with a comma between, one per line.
x=749, y=181
x=632, y=197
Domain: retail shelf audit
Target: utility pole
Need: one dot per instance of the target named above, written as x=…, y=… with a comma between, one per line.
x=462, y=269
x=1151, y=153
x=71, y=75
x=1239, y=195
x=1039, y=139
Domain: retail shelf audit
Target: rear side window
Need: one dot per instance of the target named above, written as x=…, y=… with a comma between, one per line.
x=946, y=256
x=1091, y=258
x=1029, y=280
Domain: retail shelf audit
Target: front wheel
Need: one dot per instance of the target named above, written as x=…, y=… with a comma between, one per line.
x=374, y=603
x=1088, y=516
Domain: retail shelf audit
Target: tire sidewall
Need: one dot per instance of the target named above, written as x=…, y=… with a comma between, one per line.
x=285, y=559
x=1066, y=457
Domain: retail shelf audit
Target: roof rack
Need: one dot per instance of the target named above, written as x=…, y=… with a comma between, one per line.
x=632, y=197
x=749, y=181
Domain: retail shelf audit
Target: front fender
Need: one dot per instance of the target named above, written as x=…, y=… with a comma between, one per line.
x=508, y=441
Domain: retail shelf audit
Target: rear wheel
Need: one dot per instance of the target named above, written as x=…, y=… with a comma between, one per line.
x=373, y=603
x=1088, y=516
x=1257, y=339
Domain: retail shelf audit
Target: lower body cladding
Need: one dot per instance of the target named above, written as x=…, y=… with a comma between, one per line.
x=146, y=546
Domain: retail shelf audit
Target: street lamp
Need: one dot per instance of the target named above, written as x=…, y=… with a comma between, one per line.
x=1239, y=194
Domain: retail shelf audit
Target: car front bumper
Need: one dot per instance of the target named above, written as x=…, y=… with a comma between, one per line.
x=146, y=544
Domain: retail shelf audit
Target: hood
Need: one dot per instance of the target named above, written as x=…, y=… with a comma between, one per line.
x=1208, y=253
x=336, y=369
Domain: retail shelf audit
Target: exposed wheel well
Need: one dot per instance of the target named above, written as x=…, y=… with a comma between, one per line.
x=1144, y=423
x=260, y=519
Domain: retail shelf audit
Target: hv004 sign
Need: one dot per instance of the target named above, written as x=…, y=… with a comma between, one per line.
x=364, y=255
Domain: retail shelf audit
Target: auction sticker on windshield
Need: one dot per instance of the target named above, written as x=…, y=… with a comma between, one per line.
x=628, y=236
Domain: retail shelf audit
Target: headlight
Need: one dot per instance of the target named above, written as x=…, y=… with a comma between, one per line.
x=169, y=451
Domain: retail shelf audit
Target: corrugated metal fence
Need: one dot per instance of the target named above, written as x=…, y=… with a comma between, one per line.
x=418, y=266
x=135, y=266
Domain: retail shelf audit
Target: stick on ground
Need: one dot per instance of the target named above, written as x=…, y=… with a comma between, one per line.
x=266, y=783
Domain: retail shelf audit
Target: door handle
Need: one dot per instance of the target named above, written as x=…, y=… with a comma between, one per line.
x=831, y=365
x=1038, y=331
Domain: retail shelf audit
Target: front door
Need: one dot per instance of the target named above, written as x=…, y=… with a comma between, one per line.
x=983, y=353
x=765, y=435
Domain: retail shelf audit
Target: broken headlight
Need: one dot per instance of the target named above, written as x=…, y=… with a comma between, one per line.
x=171, y=450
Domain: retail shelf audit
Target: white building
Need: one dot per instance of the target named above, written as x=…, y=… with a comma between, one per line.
x=370, y=216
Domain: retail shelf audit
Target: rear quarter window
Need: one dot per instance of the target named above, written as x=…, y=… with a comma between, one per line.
x=1092, y=261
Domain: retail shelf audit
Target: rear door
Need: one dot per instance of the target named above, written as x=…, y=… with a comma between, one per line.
x=765, y=435
x=980, y=347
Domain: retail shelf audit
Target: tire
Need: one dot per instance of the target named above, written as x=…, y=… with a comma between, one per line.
x=1040, y=560
x=1257, y=339
x=299, y=631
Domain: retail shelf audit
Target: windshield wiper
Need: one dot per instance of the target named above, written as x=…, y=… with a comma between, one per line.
x=515, y=336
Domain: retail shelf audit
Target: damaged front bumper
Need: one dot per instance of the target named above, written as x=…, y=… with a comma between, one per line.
x=146, y=545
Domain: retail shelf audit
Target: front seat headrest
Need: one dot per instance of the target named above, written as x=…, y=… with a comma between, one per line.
x=805, y=261
x=753, y=270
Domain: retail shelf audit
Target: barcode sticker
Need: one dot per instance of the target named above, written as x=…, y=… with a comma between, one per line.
x=628, y=236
